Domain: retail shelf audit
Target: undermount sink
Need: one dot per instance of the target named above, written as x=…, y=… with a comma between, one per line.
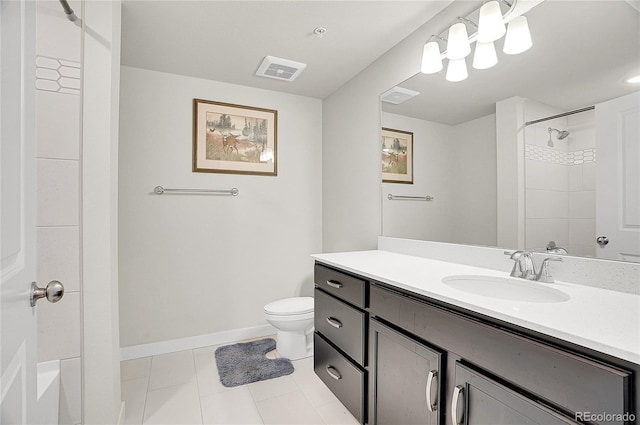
x=512, y=289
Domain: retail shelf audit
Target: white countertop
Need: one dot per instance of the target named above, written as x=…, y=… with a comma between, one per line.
x=602, y=320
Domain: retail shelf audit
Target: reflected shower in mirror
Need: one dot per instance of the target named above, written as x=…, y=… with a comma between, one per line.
x=503, y=167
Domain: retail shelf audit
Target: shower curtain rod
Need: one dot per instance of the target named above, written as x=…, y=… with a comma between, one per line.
x=577, y=111
x=68, y=11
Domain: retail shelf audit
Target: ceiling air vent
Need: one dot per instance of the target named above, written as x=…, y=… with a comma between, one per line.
x=398, y=95
x=280, y=69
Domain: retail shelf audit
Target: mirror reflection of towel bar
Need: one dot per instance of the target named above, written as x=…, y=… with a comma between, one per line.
x=159, y=190
x=409, y=198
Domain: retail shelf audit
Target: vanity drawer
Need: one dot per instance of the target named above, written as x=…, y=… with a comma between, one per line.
x=562, y=378
x=342, y=285
x=341, y=324
x=344, y=379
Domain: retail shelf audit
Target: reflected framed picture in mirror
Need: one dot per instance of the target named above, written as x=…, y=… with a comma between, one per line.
x=397, y=156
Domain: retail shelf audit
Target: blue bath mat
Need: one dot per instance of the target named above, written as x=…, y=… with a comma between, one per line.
x=245, y=362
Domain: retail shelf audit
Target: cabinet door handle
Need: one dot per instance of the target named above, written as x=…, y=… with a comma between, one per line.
x=431, y=395
x=334, y=284
x=458, y=393
x=334, y=373
x=334, y=322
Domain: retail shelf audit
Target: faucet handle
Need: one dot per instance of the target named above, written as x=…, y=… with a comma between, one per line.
x=517, y=270
x=513, y=255
x=544, y=275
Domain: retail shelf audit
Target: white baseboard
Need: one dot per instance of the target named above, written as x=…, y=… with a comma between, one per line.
x=171, y=346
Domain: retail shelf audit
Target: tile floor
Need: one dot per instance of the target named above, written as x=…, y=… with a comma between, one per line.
x=184, y=388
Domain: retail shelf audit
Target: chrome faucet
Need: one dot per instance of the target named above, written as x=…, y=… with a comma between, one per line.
x=544, y=275
x=525, y=267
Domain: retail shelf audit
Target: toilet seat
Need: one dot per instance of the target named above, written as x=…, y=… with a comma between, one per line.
x=290, y=306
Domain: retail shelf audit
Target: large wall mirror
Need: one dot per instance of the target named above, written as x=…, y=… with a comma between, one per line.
x=578, y=175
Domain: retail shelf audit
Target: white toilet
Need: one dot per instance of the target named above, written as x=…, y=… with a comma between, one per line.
x=293, y=318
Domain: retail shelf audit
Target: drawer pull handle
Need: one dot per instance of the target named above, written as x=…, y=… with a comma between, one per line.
x=334, y=322
x=457, y=418
x=431, y=395
x=334, y=284
x=334, y=373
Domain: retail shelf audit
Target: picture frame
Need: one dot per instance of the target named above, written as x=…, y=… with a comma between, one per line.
x=234, y=139
x=397, y=156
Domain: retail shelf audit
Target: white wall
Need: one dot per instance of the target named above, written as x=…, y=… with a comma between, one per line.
x=457, y=166
x=58, y=67
x=193, y=265
x=351, y=177
x=431, y=176
x=100, y=85
x=473, y=174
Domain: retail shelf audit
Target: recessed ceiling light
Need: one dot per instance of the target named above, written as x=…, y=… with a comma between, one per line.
x=635, y=79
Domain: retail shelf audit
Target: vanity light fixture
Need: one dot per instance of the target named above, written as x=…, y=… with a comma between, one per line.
x=518, y=37
x=490, y=27
x=457, y=70
x=431, y=59
x=458, y=45
x=490, y=24
x=485, y=55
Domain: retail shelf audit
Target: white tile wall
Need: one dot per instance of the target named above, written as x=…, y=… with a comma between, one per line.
x=560, y=183
x=58, y=47
x=57, y=117
x=59, y=256
x=59, y=328
x=58, y=192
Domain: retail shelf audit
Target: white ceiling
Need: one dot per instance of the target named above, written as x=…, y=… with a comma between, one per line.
x=582, y=53
x=227, y=40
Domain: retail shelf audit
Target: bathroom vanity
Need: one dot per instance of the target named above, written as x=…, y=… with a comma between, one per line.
x=398, y=346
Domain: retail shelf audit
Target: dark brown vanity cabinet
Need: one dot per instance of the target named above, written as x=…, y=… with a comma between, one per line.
x=429, y=362
x=340, y=351
x=405, y=387
x=479, y=400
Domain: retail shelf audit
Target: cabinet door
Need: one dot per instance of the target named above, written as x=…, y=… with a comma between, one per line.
x=405, y=379
x=478, y=400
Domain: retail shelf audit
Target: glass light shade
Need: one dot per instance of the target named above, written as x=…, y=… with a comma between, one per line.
x=431, y=59
x=485, y=56
x=490, y=24
x=458, y=42
x=457, y=70
x=518, y=37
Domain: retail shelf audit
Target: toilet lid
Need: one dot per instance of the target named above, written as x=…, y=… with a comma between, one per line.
x=290, y=306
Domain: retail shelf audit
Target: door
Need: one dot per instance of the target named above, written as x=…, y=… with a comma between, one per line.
x=405, y=379
x=478, y=400
x=618, y=178
x=17, y=212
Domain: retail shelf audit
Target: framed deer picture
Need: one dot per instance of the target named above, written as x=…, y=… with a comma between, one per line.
x=397, y=156
x=234, y=139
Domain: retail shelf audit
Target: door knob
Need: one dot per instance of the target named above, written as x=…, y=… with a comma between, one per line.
x=53, y=292
x=602, y=240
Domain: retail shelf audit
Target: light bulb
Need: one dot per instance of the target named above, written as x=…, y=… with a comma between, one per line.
x=457, y=70
x=490, y=24
x=518, y=37
x=458, y=42
x=431, y=59
x=484, y=56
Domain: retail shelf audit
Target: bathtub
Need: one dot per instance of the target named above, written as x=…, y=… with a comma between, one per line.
x=48, y=392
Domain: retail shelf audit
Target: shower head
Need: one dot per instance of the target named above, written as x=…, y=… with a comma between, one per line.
x=562, y=134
